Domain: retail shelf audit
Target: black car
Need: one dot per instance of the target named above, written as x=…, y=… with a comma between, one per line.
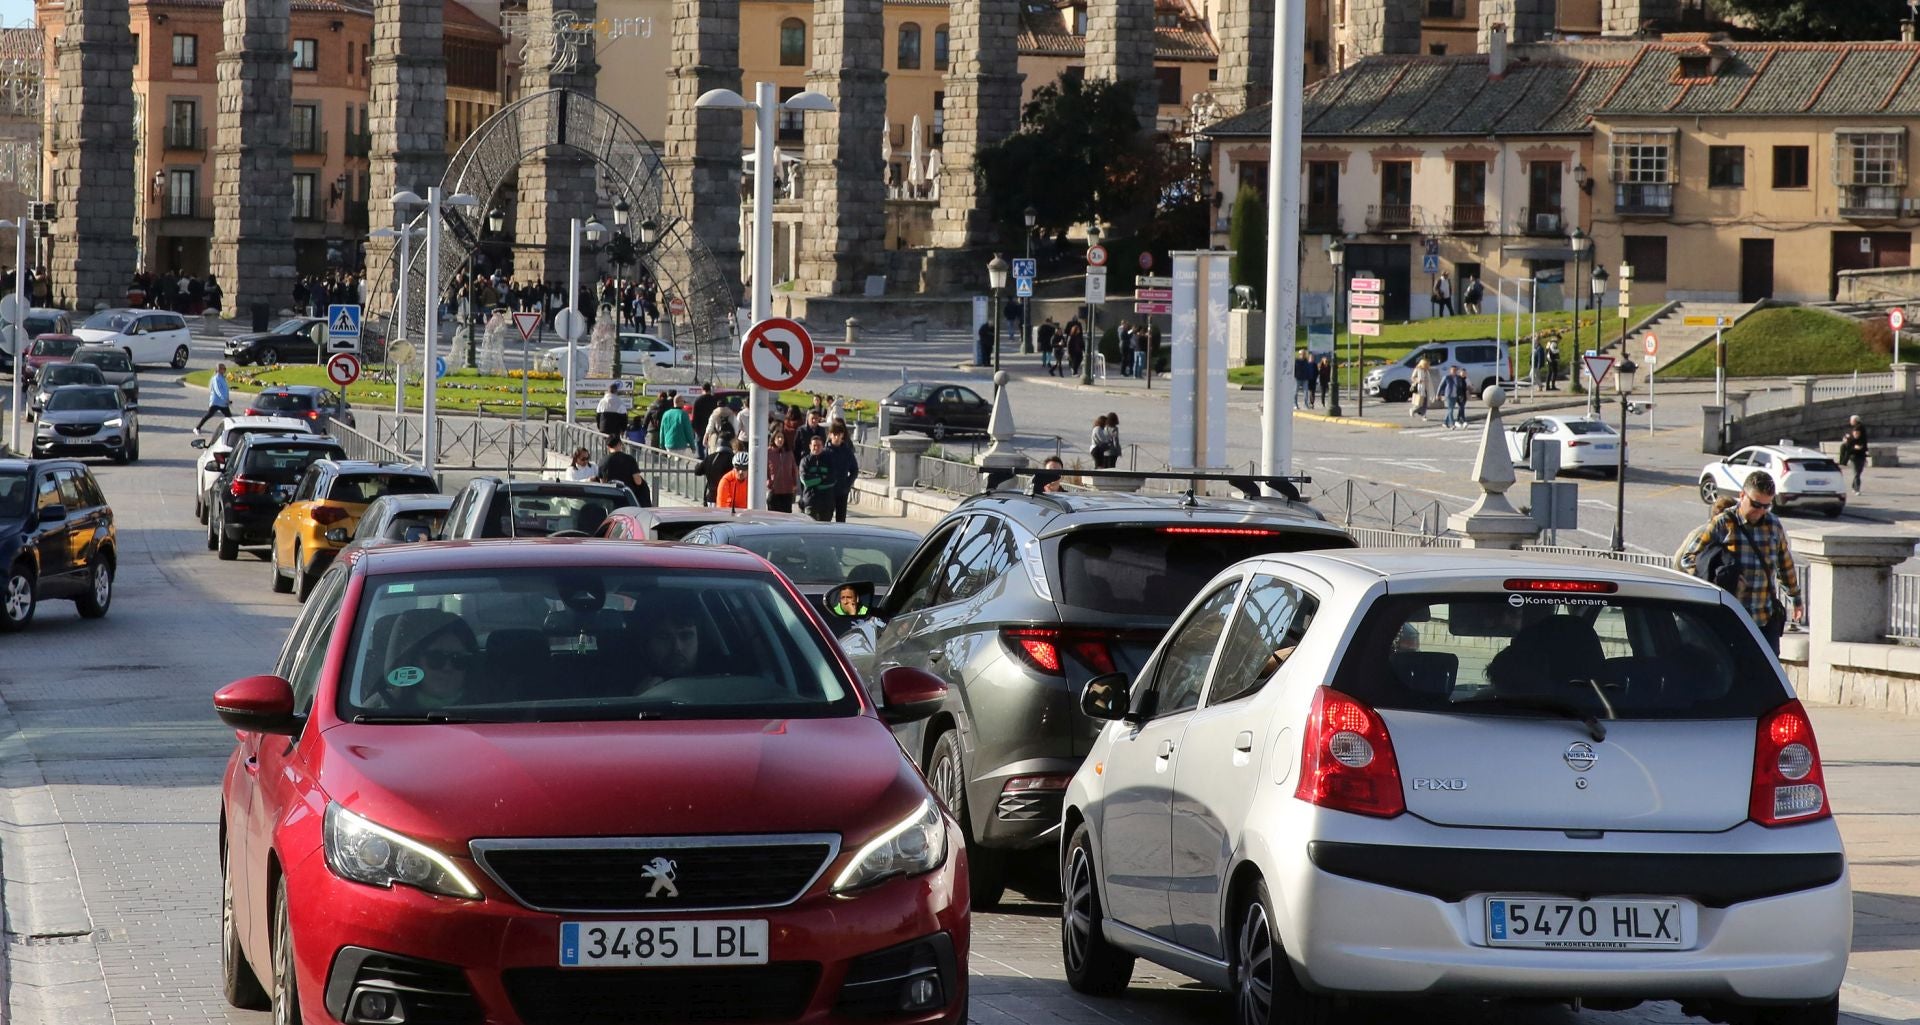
x=936, y=409
x=1017, y=598
x=56, y=539
x=492, y=507
x=312, y=403
x=259, y=478
x=298, y=340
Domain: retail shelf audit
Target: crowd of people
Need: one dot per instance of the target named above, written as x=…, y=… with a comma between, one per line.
x=637, y=301
x=1063, y=349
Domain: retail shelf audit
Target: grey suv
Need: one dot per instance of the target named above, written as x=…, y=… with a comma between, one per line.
x=1017, y=600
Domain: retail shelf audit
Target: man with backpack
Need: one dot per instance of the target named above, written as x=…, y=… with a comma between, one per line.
x=1744, y=551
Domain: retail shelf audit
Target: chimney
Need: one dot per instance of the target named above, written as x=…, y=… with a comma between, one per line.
x=1497, y=51
x=1906, y=30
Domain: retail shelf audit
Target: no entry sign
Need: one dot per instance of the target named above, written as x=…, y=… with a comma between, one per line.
x=777, y=353
x=343, y=369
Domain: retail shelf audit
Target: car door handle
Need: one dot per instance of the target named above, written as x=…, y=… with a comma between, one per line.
x=1166, y=749
x=1243, y=742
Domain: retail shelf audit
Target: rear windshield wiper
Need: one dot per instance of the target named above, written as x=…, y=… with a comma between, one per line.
x=1565, y=709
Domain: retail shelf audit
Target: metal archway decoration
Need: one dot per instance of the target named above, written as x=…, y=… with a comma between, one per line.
x=628, y=168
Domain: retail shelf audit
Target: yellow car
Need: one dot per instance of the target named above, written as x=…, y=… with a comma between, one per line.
x=319, y=519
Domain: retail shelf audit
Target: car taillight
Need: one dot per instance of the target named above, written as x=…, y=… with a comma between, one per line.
x=313, y=414
x=254, y=412
x=241, y=486
x=219, y=460
x=919, y=409
x=1222, y=531
x=1788, y=785
x=325, y=514
x=1578, y=444
x=1040, y=647
x=1346, y=759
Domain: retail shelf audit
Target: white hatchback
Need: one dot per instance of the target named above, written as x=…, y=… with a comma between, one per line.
x=639, y=355
x=1585, y=442
x=1397, y=773
x=214, y=450
x=149, y=336
x=1802, y=477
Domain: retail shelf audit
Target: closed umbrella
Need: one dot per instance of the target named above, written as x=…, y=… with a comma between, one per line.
x=886, y=155
x=933, y=172
x=913, y=155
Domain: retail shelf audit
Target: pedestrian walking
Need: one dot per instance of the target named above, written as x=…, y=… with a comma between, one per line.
x=1141, y=335
x=1553, y=365
x=676, y=432
x=1456, y=398
x=983, y=345
x=1323, y=373
x=1125, y=334
x=219, y=398
x=618, y=467
x=1470, y=299
x=1853, y=449
x=783, y=471
x=732, y=492
x=703, y=407
x=844, y=468
x=1059, y=367
x=1744, y=550
x=1442, y=296
x=1076, y=347
x=1302, y=378
x=1426, y=386
x=722, y=428
x=816, y=480
x=1048, y=329
x=1537, y=365
x=816, y=428
x=582, y=467
x=611, y=411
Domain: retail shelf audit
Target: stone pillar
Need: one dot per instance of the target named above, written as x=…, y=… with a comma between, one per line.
x=846, y=184
x=1246, y=53
x=1001, y=429
x=1380, y=26
x=1906, y=379
x=1847, y=573
x=983, y=107
x=408, y=123
x=93, y=244
x=1802, y=386
x=1628, y=17
x=1492, y=521
x=1120, y=48
x=1712, y=425
x=1527, y=21
x=903, y=458
x=559, y=184
x=253, y=163
x=703, y=148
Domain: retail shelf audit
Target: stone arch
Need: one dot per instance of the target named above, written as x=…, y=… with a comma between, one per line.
x=627, y=167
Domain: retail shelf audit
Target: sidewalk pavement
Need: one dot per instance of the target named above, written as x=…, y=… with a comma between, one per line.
x=1873, y=775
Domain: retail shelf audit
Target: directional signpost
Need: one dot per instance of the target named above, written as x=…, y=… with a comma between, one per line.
x=1363, y=307
x=343, y=328
x=1719, y=325
x=776, y=354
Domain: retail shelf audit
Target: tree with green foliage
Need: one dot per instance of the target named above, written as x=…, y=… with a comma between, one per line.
x=1247, y=237
x=1816, y=19
x=1078, y=156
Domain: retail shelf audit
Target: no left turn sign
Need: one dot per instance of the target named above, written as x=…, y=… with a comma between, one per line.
x=777, y=353
x=343, y=369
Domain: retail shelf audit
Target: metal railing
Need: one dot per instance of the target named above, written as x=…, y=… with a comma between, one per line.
x=186, y=137
x=1392, y=217
x=1870, y=201
x=361, y=446
x=310, y=142
x=1643, y=199
x=359, y=144
x=1355, y=503
x=1320, y=218
x=1467, y=217
x=1379, y=537
x=1787, y=395
x=1636, y=558
x=948, y=475
x=1903, y=607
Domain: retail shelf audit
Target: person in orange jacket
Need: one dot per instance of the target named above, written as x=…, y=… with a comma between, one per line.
x=732, y=493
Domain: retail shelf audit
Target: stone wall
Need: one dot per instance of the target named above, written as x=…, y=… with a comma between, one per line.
x=1893, y=414
x=559, y=184
x=1120, y=48
x=252, y=252
x=1879, y=285
x=1246, y=53
x=983, y=107
x=1626, y=17
x=702, y=157
x=1381, y=26
x=845, y=182
x=408, y=121
x=1527, y=21
x=93, y=241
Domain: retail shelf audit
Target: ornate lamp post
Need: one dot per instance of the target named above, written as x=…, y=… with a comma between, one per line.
x=996, y=280
x=1581, y=243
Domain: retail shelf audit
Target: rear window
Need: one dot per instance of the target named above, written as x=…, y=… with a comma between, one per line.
x=1587, y=427
x=53, y=346
x=911, y=392
x=1476, y=353
x=283, y=465
x=1814, y=465
x=1156, y=571
x=37, y=326
x=114, y=361
x=1577, y=656
x=675, y=530
x=396, y=528
x=365, y=487
x=279, y=401
x=538, y=514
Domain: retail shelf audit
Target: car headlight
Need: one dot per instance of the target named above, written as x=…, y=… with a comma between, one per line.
x=115, y=422
x=44, y=428
x=129, y=385
x=363, y=852
x=916, y=845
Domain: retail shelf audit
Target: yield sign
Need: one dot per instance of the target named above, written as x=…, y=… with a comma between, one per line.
x=528, y=323
x=1598, y=367
x=777, y=353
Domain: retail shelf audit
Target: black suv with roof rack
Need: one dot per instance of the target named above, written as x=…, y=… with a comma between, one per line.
x=1017, y=598
x=259, y=478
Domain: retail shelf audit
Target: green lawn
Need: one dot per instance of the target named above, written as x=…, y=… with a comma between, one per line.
x=1774, y=343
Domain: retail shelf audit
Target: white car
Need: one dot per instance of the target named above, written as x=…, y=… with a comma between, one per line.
x=214, y=450
x=638, y=354
x=1586, y=443
x=1484, y=358
x=1399, y=773
x=149, y=336
x=1802, y=477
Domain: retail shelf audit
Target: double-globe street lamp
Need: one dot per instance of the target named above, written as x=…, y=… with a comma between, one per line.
x=1337, y=257
x=592, y=230
x=996, y=280
x=21, y=300
x=436, y=202
x=1581, y=243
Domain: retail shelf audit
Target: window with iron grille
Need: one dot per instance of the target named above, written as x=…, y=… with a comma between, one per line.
x=303, y=197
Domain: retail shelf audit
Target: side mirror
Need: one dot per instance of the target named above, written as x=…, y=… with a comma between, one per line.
x=1105, y=698
x=337, y=535
x=415, y=533
x=910, y=695
x=200, y=443
x=53, y=513
x=258, y=704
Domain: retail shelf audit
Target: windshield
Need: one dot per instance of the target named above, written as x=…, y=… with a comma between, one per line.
x=53, y=346
x=571, y=645
x=114, y=361
x=283, y=465
x=1587, y=427
x=396, y=528
x=37, y=326
x=109, y=320
x=82, y=398
x=365, y=487
x=1155, y=571
x=1601, y=656
x=280, y=401
x=16, y=495
x=71, y=373
x=538, y=513
x=824, y=559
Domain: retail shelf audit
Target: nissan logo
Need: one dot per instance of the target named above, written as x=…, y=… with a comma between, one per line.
x=1580, y=756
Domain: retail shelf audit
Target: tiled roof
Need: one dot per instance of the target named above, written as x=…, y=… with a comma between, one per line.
x=1045, y=32
x=458, y=17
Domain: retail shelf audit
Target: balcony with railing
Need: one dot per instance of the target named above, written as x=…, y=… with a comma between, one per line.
x=1643, y=199
x=1320, y=218
x=1542, y=221
x=1467, y=218
x=312, y=141
x=1389, y=217
x=1869, y=202
x=186, y=138
x=359, y=144
x=186, y=207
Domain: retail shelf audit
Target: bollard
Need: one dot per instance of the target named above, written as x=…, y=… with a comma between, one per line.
x=853, y=331
x=920, y=330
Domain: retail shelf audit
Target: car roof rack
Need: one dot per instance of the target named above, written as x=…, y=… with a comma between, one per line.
x=1248, y=484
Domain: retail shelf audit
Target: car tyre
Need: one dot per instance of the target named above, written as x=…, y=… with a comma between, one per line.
x=302, y=580
x=1833, y=511
x=281, y=585
x=1397, y=391
x=227, y=548
x=238, y=983
x=1825, y=1012
x=937, y=431
x=986, y=867
x=180, y=358
x=1265, y=990
x=213, y=531
x=269, y=357
x=200, y=507
x=18, y=600
x=99, y=594
x=286, y=986
x=1094, y=966
x=1709, y=491
x=133, y=450
x=1484, y=385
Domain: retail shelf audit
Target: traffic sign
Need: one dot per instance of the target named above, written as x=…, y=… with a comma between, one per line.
x=1364, y=328
x=343, y=328
x=1151, y=307
x=1597, y=368
x=1149, y=281
x=570, y=324
x=1707, y=321
x=1896, y=318
x=1363, y=299
x=1146, y=261
x=1096, y=285
x=1430, y=264
x=439, y=366
x=1365, y=284
x=1096, y=256
x=777, y=353
x=677, y=306
x=1023, y=288
x=1025, y=268
x=1154, y=294
x=528, y=323
x=343, y=369
x=1650, y=345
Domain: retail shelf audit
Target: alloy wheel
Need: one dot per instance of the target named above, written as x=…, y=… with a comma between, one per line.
x=102, y=584
x=286, y=992
x=1079, y=909
x=1708, y=492
x=947, y=785
x=19, y=601
x=1254, y=986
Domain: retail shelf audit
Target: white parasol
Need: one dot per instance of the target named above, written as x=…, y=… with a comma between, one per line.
x=913, y=153
x=933, y=172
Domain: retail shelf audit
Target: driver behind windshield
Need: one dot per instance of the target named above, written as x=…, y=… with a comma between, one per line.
x=434, y=656
x=670, y=647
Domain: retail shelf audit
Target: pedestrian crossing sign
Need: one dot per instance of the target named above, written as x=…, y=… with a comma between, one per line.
x=343, y=327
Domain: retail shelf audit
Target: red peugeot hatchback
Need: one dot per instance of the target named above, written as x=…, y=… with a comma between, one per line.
x=581, y=782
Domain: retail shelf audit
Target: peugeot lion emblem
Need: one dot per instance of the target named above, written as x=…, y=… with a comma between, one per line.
x=661, y=872
x=1580, y=756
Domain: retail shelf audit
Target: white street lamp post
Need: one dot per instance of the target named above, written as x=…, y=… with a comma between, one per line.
x=430, y=333
x=593, y=230
x=20, y=301
x=406, y=233
x=766, y=106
